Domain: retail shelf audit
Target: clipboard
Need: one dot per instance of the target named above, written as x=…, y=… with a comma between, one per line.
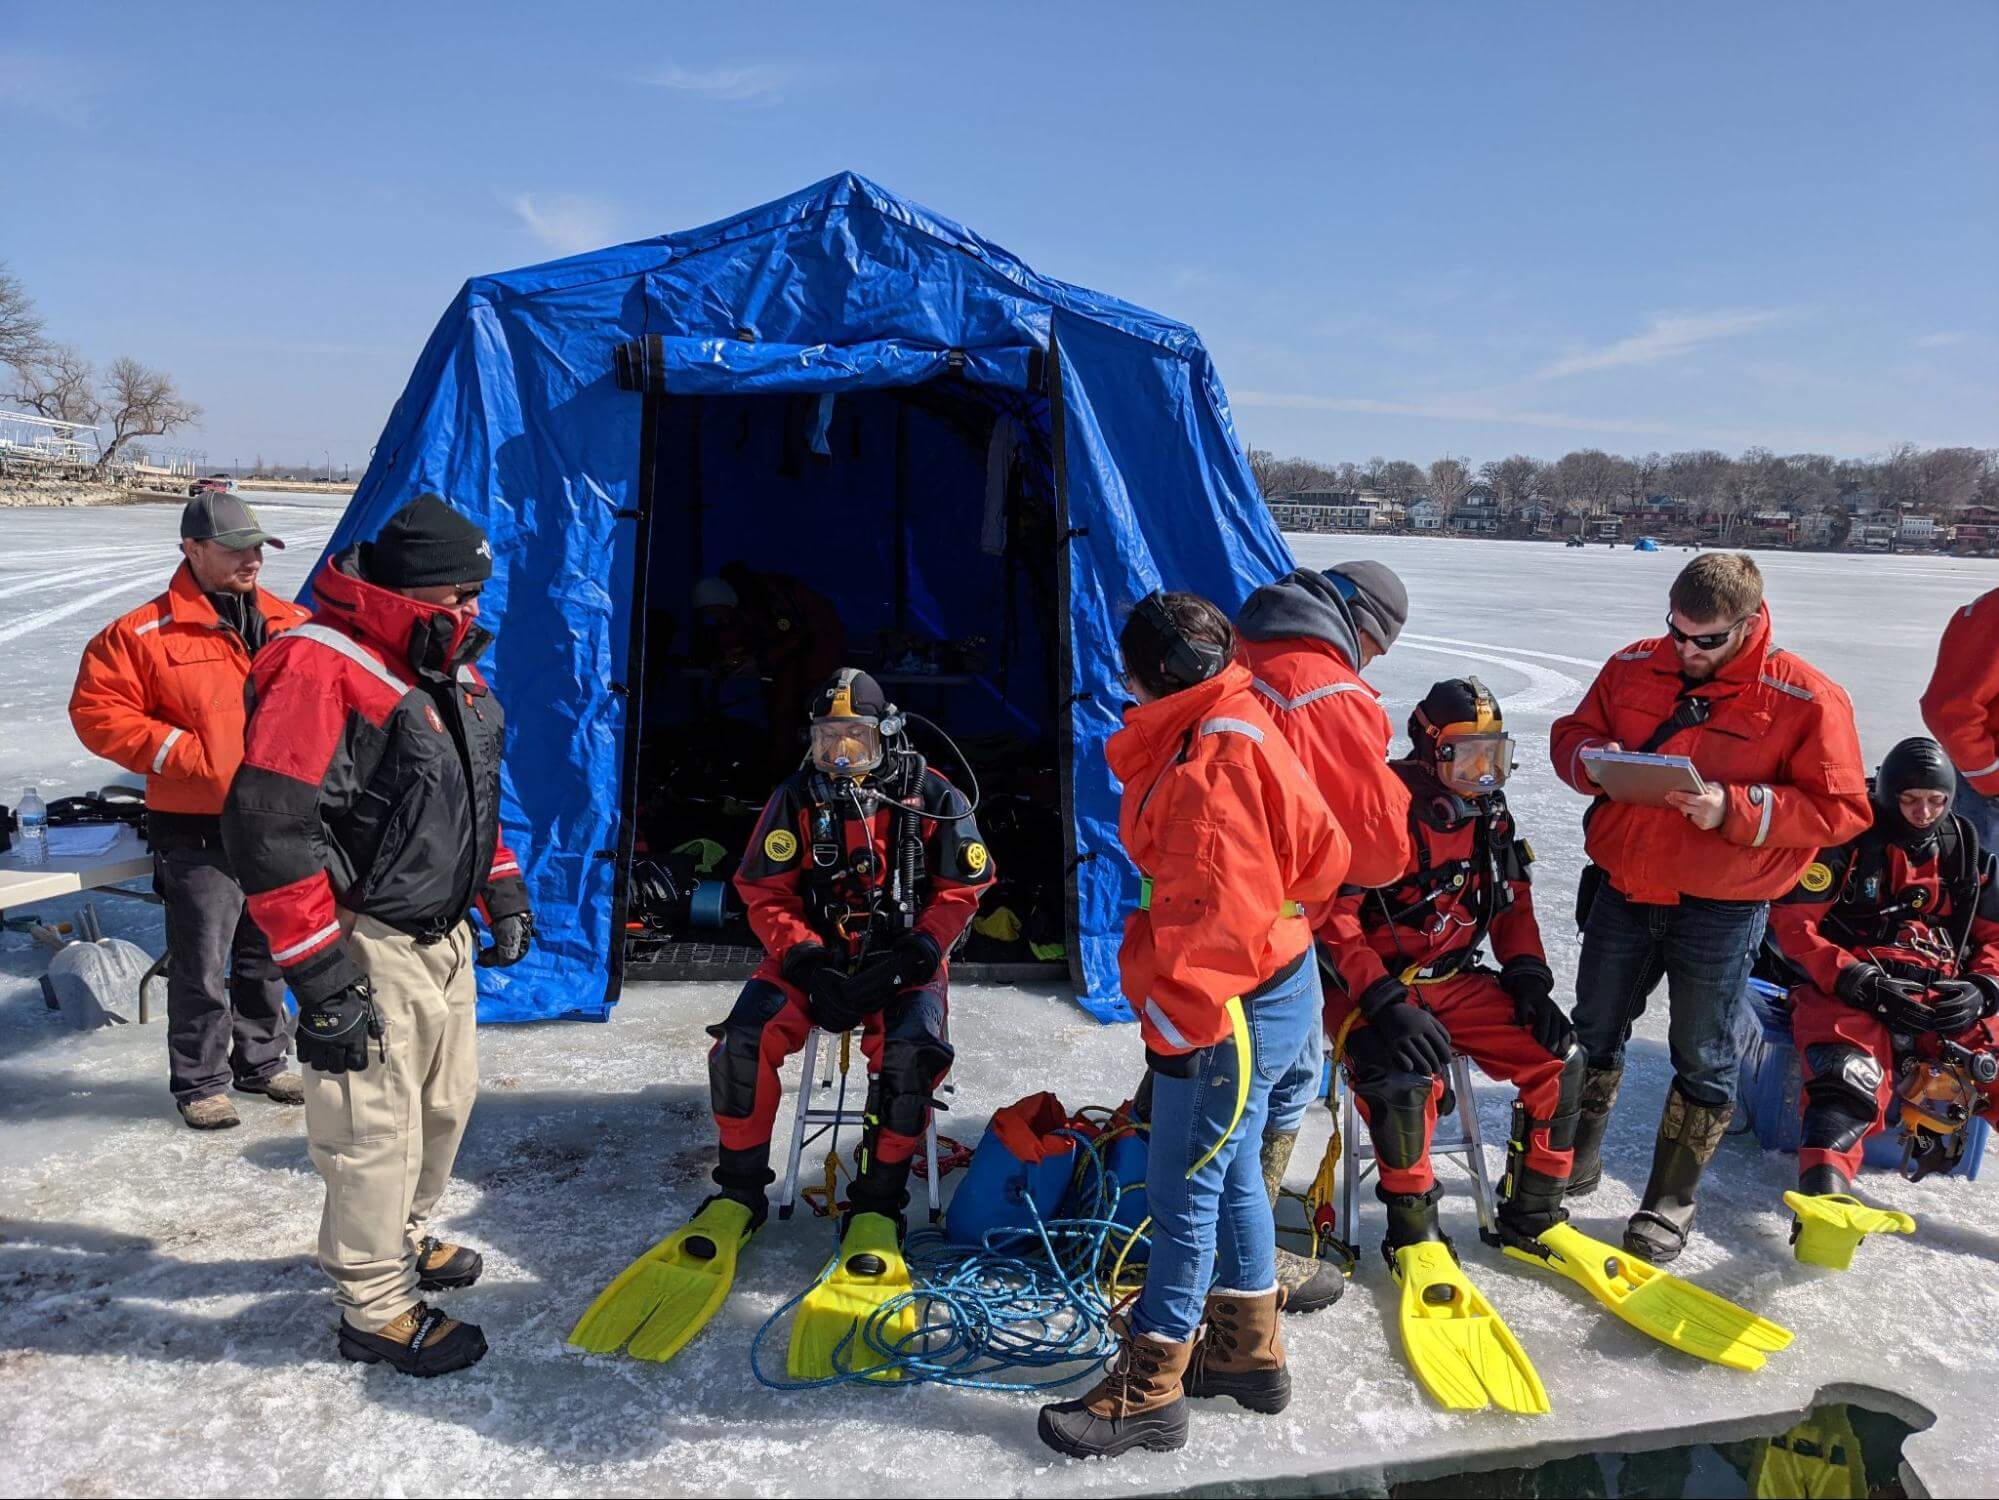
x=1627, y=776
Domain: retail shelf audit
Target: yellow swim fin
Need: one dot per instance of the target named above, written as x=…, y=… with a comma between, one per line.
x=1653, y=1301
x=864, y=1300
x=1830, y=1226
x=666, y=1296
x=1459, y=1349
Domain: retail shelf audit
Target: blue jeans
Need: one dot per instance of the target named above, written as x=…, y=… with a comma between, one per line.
x=1703, y=950
x=1980, y=811
x=1299, y=1085
x=1214, y=1227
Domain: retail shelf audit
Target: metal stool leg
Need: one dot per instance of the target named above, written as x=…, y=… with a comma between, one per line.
x=787, y=1196
x=1357, y=1140
x=1473, y=1145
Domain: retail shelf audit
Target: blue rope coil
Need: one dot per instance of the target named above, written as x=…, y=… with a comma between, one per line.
x=1024, y=1299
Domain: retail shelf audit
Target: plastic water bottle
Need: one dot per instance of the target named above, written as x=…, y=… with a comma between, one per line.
x=33, y=817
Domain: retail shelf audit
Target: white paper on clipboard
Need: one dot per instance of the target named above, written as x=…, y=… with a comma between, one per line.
x=1627, y=776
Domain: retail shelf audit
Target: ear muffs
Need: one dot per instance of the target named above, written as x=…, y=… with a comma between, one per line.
x=1182, y=662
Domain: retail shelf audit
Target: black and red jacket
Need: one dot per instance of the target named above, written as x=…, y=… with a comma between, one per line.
x=1924, y=916
x=829, y=864
x=370, y=780
x=1467, y=882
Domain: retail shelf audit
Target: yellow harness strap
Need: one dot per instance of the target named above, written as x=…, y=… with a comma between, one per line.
x=1245, y=1060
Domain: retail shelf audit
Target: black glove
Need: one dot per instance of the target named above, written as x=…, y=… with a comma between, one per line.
x=809, y=968
x=333, y=1033
x=1956, y=1005
x=920, y=958
x=1531, y=986
x=1897, y=1002
x=1414, y=1038
x=512, y=936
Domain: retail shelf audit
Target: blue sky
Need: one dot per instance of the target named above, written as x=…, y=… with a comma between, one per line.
x=1405, y=230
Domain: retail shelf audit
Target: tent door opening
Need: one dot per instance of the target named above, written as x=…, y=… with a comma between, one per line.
x=911, y=531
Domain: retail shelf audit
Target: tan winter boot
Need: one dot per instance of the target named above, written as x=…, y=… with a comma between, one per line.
x=211, y=1112
x=1140, y=1404
x=1240, y=1353
x=1305, y=1283
x=279, y=1088
x=423, y=1341
x=441, y=1266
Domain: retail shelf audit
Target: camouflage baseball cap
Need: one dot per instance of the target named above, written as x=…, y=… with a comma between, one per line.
x=226, y=521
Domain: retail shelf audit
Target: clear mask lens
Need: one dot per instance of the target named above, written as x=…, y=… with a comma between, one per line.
x=1473, y=764
x=846, y=747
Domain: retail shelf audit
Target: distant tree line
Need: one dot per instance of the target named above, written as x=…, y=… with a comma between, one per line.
x=55, y=380
x=1588, y=481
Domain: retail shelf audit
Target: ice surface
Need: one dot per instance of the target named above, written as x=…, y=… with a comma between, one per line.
x=162, y=1327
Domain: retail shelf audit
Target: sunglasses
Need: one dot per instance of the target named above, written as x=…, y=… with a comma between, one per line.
x=1713, y=640
x=467, y=592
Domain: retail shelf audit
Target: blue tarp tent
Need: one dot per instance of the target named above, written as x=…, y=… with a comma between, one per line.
x=619, y=422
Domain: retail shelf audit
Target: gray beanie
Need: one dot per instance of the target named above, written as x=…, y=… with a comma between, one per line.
x=1379, y=602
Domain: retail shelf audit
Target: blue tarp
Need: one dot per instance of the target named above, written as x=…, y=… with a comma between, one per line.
x=515, y=413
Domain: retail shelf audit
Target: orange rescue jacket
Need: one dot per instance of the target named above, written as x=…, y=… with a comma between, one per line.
x=160, y=691
x=1234, y=841
x=1961, y=707
x=1779, y=736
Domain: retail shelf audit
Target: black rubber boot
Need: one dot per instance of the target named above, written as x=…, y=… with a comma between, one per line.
x=441, y=1267
x=743, y=1176
x=1530, y=1202
x=422, y=1342
x=1816, y=1182
x=1599, y=1098
x=1412, y=1219
x=1689, y=1135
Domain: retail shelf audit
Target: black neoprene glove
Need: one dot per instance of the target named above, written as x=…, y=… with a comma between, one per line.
x=1414, y=1038
x=1956, y=1005
x=334, y=1032
x=919, y=957
x=809, y=968
x=1896, y=1002
x=1531, y=986
x=512, y=936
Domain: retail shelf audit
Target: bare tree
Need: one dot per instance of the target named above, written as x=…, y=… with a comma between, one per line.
x=20, y=325
x=1262, y=466
x=58, y=383
x=1514, y=481
x=1449, y=479
x=140, y=402
x=1370, y=474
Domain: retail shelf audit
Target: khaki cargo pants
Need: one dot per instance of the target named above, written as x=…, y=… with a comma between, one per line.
x=384, y=1139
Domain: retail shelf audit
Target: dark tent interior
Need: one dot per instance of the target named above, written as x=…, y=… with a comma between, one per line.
x=909, y=531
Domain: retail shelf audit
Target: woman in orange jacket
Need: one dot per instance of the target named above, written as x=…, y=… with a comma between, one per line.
x=1233, y=842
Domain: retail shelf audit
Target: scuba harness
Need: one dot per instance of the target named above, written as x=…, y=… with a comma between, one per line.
x=1495, y=860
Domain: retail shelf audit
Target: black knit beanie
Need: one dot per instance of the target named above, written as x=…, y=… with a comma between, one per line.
x=427, y=543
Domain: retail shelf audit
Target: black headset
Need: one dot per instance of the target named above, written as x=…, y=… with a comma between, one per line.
x=1181, y=662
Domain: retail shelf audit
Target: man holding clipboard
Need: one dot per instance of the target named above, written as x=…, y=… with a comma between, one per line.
x=1720, y=764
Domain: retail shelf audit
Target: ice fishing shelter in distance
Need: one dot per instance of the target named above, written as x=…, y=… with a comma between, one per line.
x=851, y=400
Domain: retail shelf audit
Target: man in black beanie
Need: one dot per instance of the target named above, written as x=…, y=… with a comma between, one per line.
x=366, y=824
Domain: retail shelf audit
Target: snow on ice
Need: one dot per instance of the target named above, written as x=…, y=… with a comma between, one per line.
x=163, y=1327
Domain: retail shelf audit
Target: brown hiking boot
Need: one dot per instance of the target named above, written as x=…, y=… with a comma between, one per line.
x=423, y=1341
x=440, y=1266
x=279, y=1088
x=1139, y=1404
x=211, y=1112
x=1240, y=1353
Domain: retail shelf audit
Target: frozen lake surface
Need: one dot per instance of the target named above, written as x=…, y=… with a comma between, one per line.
x=163, y=1328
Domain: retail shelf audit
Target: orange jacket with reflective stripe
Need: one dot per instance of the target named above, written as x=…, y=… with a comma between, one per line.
x=1219, y=814
x=160, y=691
x=1780, y=739
x=1961, y=707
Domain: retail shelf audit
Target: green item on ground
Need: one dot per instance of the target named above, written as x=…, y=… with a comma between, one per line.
x=662, y=1299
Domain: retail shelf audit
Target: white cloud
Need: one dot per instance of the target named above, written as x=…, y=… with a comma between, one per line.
x=731, y=83
x=566, y=222
x=1669, y=336
x=1940, y=340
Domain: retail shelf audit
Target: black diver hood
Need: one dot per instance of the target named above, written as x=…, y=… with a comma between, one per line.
x=1915, y=765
